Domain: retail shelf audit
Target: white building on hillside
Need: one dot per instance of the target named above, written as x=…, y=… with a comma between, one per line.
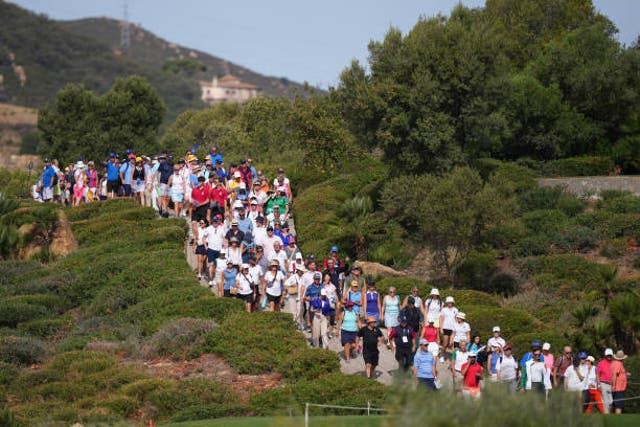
x=227, y=89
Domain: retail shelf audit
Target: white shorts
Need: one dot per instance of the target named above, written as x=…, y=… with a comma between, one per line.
x=47, y=193
x=177, y=197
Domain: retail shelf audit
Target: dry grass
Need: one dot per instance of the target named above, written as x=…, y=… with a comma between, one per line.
x=13, y=115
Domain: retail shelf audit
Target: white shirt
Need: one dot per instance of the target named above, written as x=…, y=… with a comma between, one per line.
x=215, y=237
x=244, y=284
x=274, y=283
x=589, y=376
x=573, y=381
x=538, y=372
x=294, y=280
x=460, y=331
x=234, y=255
x=281, y=256
x=507, y=367
x=202, y=235
x=259, y=233
x=449, y=317
x=221, y=264
x=433, y=309
x=461, y=359
x=267, y=244
x=255, y=273
x=493, y=341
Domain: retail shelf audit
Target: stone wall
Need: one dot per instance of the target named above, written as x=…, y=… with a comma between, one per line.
x=581, y=186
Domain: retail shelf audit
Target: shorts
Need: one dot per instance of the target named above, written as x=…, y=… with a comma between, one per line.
x=177, y=197
x=617, y=403
x=127, y=189
x=138, y=187
x=162, y=190
x=447, y=332
x=371, y=357
x=272, y=298
x=200, y=250
x=212, y=255
x=113, y=186
x=47, y=193
x=347, y=337
x=199, y=213
x=246, y=298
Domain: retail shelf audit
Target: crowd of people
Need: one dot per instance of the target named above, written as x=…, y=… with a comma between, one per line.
x=245, y=248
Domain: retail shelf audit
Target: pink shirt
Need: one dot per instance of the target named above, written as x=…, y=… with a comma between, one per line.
x=621, y=381
x=548, y=361
x=604, y=370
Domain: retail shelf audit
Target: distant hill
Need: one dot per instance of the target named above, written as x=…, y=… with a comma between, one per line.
x=39, y=56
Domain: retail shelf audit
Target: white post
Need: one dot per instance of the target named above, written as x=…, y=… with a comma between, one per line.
x=306, y=414
x=368, y=408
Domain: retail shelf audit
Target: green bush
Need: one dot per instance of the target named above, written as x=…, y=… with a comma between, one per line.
x=205, y=412
x=611, y=225
x=578, y=166
x=570, y=205
x=12, y=313
x=253, y=343
x=540, y=198
x=21, y=350
x=627, y=204
x=468, y=298
x=403, y=286
x=44, y=327
x=576, y=239
x=521, y=342
x=613, y=248
x=583, y=273
x=476, y=270
x=123, y=406
x=531, y=246
x=503, y=284
x=306, y=364
x=506, y=235
x=188, y=394
x=511, y=321
x=544, y=221
x=8, y=373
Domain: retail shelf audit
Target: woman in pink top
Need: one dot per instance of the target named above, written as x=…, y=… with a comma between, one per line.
x=618, y=381
x=430, y=333
x=548, y=359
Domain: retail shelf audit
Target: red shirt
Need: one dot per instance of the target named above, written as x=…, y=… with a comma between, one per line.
x=471, y=377
x=430, y=333
x=219, y=195
x=604, y=370
x=200, y=195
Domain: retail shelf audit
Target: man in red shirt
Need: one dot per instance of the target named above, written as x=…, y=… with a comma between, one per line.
x=472, y=374
x=603, y=375
x=200, y=204
x=218, y=198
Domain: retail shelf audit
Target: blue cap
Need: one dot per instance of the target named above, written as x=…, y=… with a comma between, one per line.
x=193, y=151
x=403, y=319
x=334, y=249
x=129, y=151
x=535, y=343
x=582, y=355
x=112, y=155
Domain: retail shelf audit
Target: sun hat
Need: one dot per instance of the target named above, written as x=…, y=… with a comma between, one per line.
x=461, y=315
x=496, y=329
x=546, y=346
x=370, y=319
x=237, y=174
x=274, y=263
x=234, y=222
x=80, y=164
x=233, y=240
x=608, y=352
x=301, y=268
x=620, y=355
x=434, y=291
x=449, y=299
x=423, y=341
x=243, y=266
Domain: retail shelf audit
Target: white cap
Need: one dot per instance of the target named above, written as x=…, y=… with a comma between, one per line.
x=591, y=359
x=546, y=346
x=243, y=186
x=323, y=291
x=472, y=354
x=282, y=188
x=608, y=352
x=300, y=267
x=434, y=291
x=461, y=315
x=448, y=300
x=238, y=204
x=243, y=266
x=80, y=164
x=496, y=329
x=237, y=174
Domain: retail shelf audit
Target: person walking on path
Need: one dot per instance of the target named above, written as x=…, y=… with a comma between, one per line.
x=425, y=369
x=390, y=311
x=447, y=322
x=371, y=340
x=372, y=306
x=590, y=387
x=472, y=375
x=348, y=327
x=603, y=371
x=536, y=375
x=560, y=367
x=403, y=343
x=618, y=381
x=320, y=311
x=508, y=369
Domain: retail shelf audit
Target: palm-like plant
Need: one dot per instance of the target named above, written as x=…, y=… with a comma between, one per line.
x=353, y=223
x=625, y=316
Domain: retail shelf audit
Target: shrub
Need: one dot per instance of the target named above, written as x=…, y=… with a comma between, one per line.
x=505, y=235
x=189, y=393
x=21, y=350
x=544, y=221
x=584, y=273
x=43, y=327
x=8, y=373
x=511, y=321
x=306, y=364
x=476, y=270
x=123, y=406
x=467, y=298
x=613, y=248
x=627, y=204
x=503, y=284
x=570, y=205
x=176, y=338
x=578, y=166
x=521, y=342
x=540, y=198
x=204, y=412
x=403, y=285
x=12, y=313
x=611, y=225
x=576, y=239
x=531, y=246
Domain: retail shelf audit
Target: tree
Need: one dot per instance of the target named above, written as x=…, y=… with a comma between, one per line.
x=355, y=223
x=80, y=124
x=454, y=213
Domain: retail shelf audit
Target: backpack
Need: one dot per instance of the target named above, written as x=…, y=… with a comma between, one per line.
x=413, y=317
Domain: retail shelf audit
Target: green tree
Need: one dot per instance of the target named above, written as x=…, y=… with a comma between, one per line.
x=355, y=223
x=82, y=124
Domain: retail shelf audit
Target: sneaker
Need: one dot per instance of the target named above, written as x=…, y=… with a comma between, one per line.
x=308, y=330
x=210, y=283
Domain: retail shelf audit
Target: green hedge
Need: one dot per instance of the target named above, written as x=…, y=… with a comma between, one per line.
x=577, y=166
x=584, y=274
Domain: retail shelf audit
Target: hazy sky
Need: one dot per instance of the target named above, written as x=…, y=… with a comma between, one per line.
x=300, y=40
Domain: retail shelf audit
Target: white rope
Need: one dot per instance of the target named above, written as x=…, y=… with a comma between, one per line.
x=355, y=408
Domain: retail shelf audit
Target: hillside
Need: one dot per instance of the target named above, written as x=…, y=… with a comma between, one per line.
x=17, y=124
x=39, y=56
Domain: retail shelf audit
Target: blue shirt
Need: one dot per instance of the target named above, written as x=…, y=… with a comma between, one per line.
x=423, y=362
x=125, y=169
x=245, y=225
x=112, y=171
x=313, y=291
x=216, y=157
x=49, y=173
x=229, y=278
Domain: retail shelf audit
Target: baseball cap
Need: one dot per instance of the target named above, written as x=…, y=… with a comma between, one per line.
x=546, y=346
x=535, y=344
x=243, y=266
x=371, y=319
x=496, y=329
x=423, y=341
x=608, y=352
x=591, y=359
x=334, y=249
x=582, y=355
x=317, y=275
x=472, y=354
x=506, y=347
x=403, y=319
x=349, y=303
x=269, y=228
